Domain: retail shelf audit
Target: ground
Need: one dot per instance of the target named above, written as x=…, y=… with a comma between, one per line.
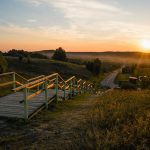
x=115, y=119
x=55, y=128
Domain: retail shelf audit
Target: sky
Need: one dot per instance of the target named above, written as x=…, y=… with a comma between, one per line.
x=75, y=25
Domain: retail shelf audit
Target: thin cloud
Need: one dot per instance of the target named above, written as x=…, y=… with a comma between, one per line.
x=31, y=20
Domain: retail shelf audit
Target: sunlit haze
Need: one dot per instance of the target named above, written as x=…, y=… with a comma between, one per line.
x=79, y=25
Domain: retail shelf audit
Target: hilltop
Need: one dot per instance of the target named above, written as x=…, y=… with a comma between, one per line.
x=123, y=57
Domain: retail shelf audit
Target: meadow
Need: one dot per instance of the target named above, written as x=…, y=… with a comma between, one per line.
x=119, y=121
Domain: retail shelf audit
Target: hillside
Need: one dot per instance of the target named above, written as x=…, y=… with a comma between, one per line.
x=113, y=120
x=46, y=66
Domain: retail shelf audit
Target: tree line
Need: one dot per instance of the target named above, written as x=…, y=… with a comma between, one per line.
x=59, y=54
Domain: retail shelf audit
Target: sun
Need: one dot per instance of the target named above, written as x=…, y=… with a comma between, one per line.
x=145, y=44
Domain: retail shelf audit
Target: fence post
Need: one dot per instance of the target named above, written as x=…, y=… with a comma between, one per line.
x=46, y=94
x=25, y=103
x=56, y=88
x=14, y=80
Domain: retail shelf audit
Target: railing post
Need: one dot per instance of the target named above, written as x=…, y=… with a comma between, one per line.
x=64, y=90
x=46, y=94
x=56, y=88
x=82, y=88
x=70, y=89
x=73, y=87
x=25, y=103
x=14, y=80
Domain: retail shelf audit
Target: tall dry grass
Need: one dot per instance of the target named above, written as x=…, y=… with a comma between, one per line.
x=119, y=121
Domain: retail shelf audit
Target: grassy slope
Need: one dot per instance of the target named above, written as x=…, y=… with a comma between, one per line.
x=39, y=66
x=51, y=129
x=120, y=121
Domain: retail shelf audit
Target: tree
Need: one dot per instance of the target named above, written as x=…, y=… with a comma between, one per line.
x=60, y=54
x=3, y=63
x=97, y=66
x=94, y=66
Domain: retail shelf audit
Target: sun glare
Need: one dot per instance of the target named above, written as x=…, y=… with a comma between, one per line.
x=146, y=44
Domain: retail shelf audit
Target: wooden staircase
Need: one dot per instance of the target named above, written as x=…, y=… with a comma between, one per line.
x=31, y=96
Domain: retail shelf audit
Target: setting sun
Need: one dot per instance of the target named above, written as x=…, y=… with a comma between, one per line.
x=146, y=44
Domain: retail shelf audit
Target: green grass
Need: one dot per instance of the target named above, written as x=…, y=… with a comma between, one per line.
x=48, y=66
x=120, y=121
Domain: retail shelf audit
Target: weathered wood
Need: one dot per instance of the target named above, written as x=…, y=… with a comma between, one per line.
x=34, y=94
x=10, y=105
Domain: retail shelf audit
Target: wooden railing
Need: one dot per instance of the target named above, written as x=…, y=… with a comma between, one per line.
x=37, y=85
x=13, y=79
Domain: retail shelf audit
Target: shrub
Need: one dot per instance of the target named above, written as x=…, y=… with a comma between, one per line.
x=3, y=63
x=60, y=54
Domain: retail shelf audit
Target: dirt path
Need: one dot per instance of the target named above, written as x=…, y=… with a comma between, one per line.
x=109, y=80
x=50, y=130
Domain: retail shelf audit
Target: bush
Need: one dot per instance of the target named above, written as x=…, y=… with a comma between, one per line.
x=128, y=85
x=3, y=64
x=60, y=54
x=21, y=53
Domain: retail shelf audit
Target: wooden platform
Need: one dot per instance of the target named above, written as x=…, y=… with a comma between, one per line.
x=12, y=105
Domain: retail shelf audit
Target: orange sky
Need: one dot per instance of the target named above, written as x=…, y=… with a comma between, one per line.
x=82, y=25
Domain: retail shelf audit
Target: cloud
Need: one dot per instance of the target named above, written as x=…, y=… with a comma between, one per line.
x=88, y=20
x=32, y=20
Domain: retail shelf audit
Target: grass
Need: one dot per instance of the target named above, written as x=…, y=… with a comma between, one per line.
x=117, y=120
x=47, y=66
x=120, y=121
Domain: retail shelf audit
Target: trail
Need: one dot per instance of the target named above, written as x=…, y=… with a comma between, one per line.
x=109, y=80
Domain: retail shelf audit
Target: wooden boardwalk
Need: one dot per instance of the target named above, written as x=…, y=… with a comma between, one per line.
x=12, y=105
x=25, y=104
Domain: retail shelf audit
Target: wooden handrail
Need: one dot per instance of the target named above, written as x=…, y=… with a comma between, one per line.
x=21, y=76
x=7, y=73
x=70, y=79
x=35, y=78
x=34, y=82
